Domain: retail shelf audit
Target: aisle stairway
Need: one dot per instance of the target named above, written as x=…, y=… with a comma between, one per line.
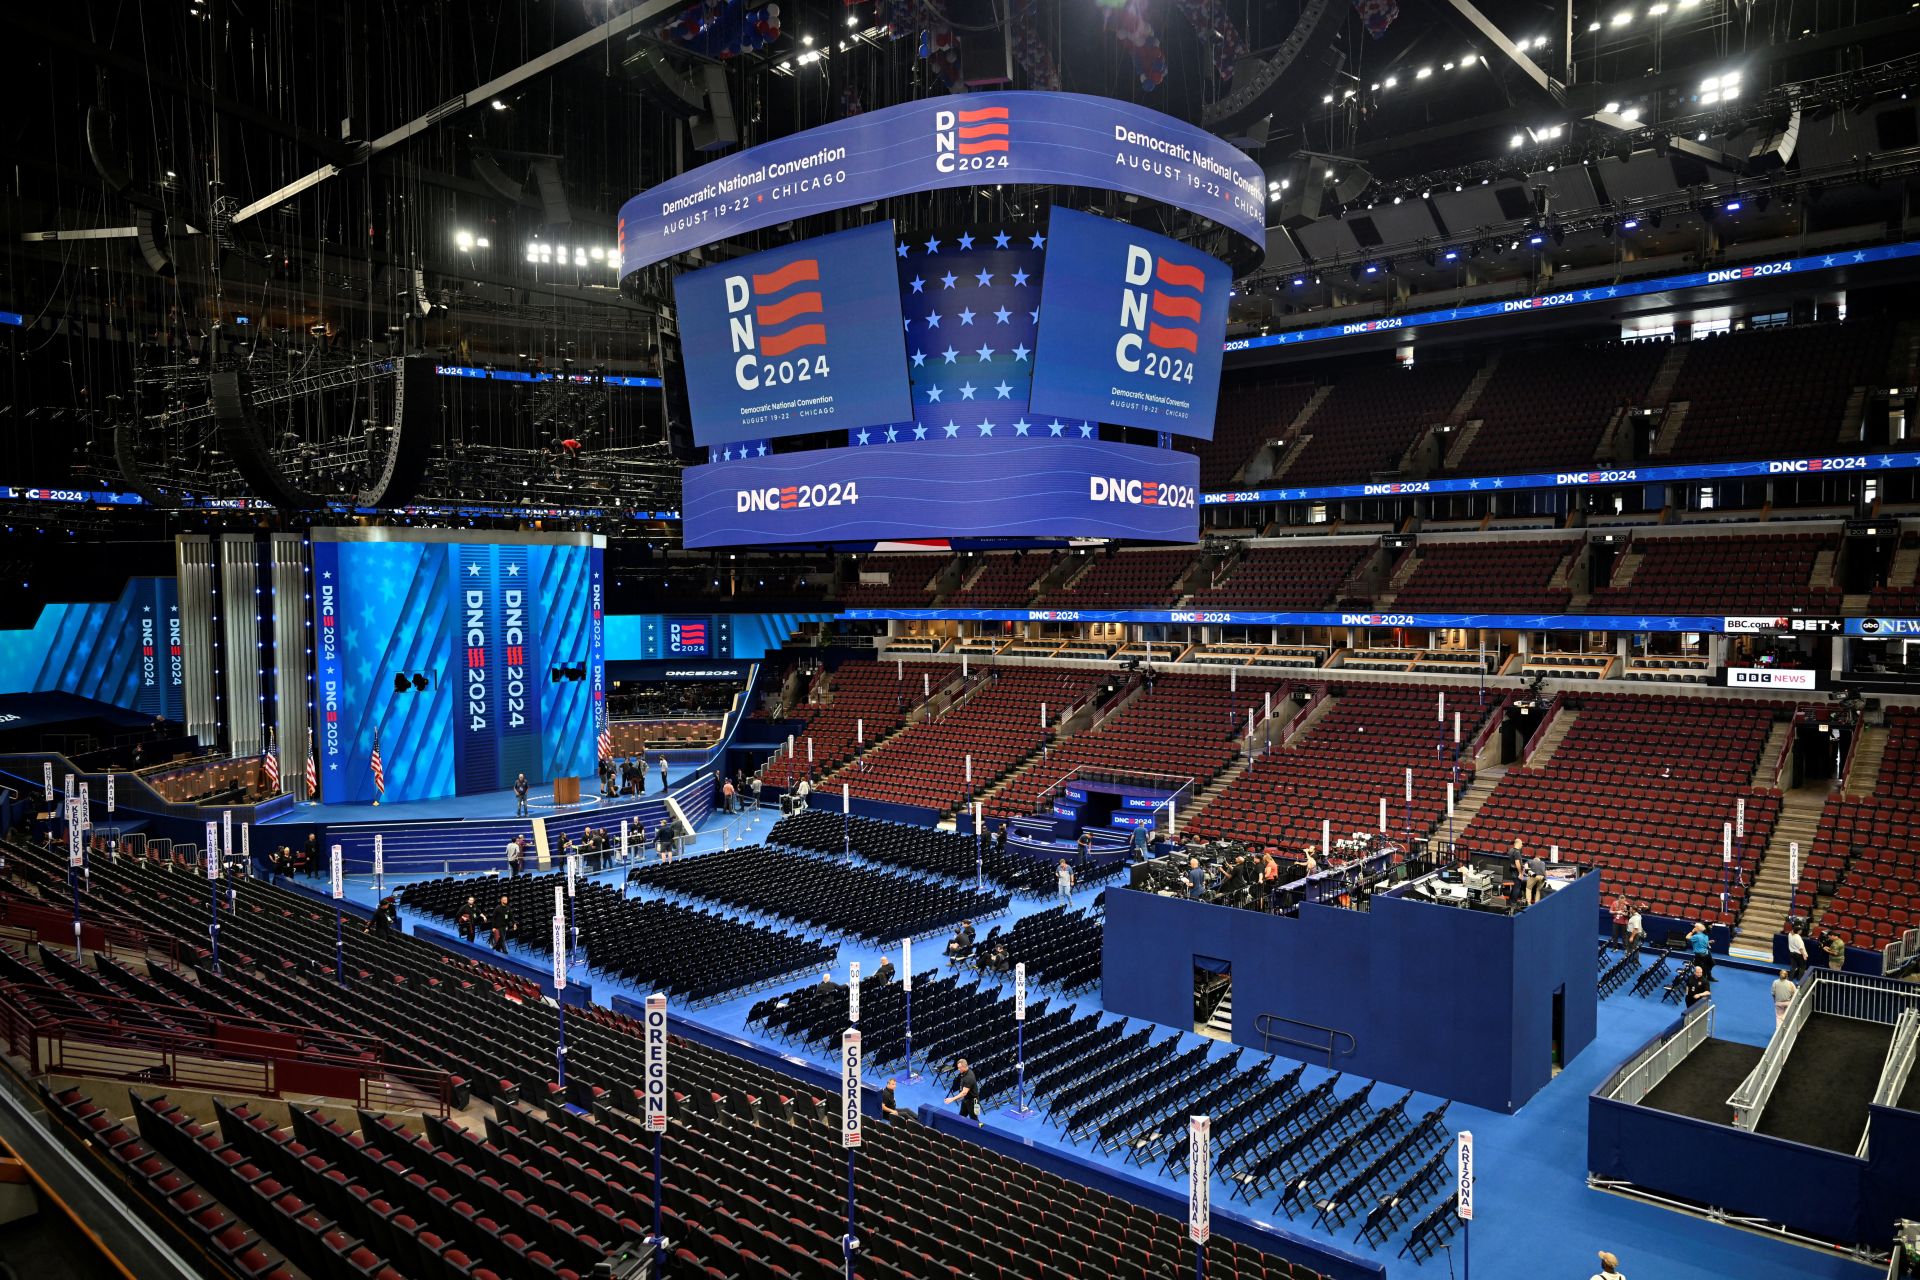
x=1770, y=897
x=1550, y=741
x=1863, y=775
x=1222, y=1019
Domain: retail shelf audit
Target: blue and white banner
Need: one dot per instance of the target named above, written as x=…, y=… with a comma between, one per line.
x=1267, y=618
x=1676, y=474
x=799, y=339
x=1033, y=479
x=1601, y=293
x=980, y=139
x=1130, y=330
x=1885, y=628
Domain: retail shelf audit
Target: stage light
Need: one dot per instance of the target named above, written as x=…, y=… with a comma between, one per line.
x=807, y=41
x=1516, y=142
x=1423, y=73
x=420, y=683
x=1536, y=239
x=400, y=682
x=1612, y=108
x=853, y=20
x=1630, y=224
x=1298, y=281
x=1623, y=17
x=1593, y=26
x=483, y=243
x=1343, y=97
x=1373, y=269
x=1447, y=66
x=463, y=241
x=1632, y=113
x=1451, y=255
x=1656, y=11
x=1733, y=206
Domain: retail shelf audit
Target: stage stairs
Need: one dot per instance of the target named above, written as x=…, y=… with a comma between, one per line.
x=1222, y=1019
x=1770, y=896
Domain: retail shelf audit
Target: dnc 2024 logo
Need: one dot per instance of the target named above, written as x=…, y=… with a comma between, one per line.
x=1159, y=316
x=977, y=139
x=775, y=321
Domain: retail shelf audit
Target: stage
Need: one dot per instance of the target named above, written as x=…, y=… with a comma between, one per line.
x=485, y=804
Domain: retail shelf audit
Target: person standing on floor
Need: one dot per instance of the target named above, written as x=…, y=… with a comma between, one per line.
x=753, y=789
x=727, y=794
x=1636, y=929
x=1702, y=947
x=1836, y=951
x=1609, y=1268
x=663, y=771
x=1063, y=880
x=1699, y=986
x=1621, y=910
x=1783, y=993
x=468, y=920
x=1797, y=949
x=966, y=1091
x=520, y=789
x=516, y=857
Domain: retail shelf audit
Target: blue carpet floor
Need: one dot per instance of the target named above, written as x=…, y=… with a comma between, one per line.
x=1536, y=1218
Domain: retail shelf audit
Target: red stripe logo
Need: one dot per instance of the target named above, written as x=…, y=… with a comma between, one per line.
x=1176, y=308
x=1183, y=339
x=787, y=308
x=804, y=335
x=793, y=273
x=1178, y=276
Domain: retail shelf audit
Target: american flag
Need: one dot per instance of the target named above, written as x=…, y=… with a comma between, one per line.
x=379, y=773
x=606, y=743
x=313, y=770
x=270, y=764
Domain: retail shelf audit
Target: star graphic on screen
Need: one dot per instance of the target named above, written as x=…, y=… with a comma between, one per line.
x=966, y=241
x=933, y=320
x=1002, y=316
x=1020, y=278
x=983, y=277
x=1021, y=353
x=1000, y=239
x=1039, y=241
x=953, y=428
x=763, y=450
x=933, y=395
x=513, y=570
x=919, y=358
x=933, y=246
x=949, y=280
x=892, y=435
x=863, y=437
x=985, y=354
x=1002, y=389
x=1034, y=315
x=901, y=248
x=1086, y=431
x=473, y=571
x=966, y=390
x=949, y=356
x=1055, y=428
x=727, y=455
x=917, y=284
x=1020, y=427
x=986, y=428
x=966, y=315
x=906, y=326
x=919, y=433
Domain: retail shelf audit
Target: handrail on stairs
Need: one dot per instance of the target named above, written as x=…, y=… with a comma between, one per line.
x=1263, y=1025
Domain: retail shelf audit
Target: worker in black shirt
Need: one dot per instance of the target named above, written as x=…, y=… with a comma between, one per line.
x=468, y=920
x=961, y=945
x=966, y=1091
x=503, y=918
x=1699, y=986
x=887, y=1102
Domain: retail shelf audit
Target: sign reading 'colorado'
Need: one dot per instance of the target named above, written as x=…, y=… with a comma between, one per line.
x=1064, y=139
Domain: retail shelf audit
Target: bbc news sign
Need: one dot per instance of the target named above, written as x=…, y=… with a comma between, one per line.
x=656, y=1064
x=1772, y=678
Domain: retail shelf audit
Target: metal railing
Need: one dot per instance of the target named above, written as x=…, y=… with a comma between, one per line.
x=1749, y=1099
x=1263, y=1026
x=1894, y=1074
x=1639, y=1077
x=1554, y=706
x=1859, y=996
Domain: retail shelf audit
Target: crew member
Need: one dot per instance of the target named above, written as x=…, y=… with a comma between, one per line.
x=966, y=1091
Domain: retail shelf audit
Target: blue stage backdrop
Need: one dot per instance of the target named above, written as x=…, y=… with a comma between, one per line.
x=507, y=636
x=1131, y=326
x=804, y=338
x=126, y=652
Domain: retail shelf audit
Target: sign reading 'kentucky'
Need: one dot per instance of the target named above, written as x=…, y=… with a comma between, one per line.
x=1059, y=139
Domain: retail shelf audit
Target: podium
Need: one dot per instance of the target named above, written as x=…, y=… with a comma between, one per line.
x=566, y=791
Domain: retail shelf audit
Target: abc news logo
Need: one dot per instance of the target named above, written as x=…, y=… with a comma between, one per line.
x=1140, y=493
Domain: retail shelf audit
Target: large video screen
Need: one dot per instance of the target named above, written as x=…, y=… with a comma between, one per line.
x=801, y=339
x=1049, y=481
x=471, y=661
x=1131, y=327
